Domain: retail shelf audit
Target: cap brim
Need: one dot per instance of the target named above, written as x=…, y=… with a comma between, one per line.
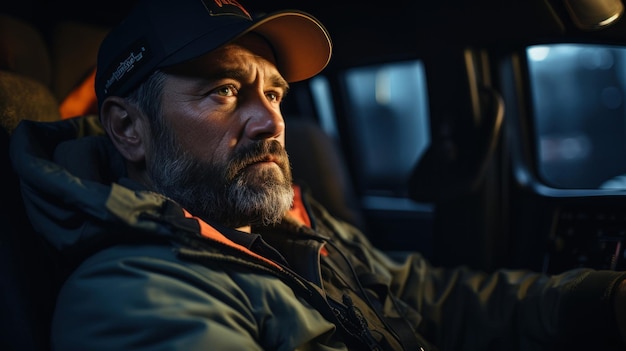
x=301, y=43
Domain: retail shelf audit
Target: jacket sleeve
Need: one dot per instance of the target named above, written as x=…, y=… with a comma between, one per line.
x=511, y=309
x=150, y=302
x=463, y=309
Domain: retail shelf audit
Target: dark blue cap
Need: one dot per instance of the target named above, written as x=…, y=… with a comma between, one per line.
x=161, y=33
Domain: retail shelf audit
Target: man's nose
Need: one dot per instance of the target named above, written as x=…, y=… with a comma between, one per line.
x=264, y=121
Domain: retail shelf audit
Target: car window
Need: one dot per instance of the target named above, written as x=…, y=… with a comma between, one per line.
x=579, y=114
x=389, y=121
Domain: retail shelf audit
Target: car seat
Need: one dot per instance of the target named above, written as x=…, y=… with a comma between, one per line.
x=317, y=162
x=453, y=174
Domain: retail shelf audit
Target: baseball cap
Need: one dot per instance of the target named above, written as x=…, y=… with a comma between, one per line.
x=161, y=33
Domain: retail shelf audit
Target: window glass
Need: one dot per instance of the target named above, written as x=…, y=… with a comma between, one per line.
x=578, y=101
x=389, y=120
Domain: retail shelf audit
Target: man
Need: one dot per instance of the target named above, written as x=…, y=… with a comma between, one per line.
x=184, y=231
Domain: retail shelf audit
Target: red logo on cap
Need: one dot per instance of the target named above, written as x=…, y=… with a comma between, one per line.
x=226, y=7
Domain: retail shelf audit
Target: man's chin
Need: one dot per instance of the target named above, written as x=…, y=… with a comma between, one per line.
x=262, y=203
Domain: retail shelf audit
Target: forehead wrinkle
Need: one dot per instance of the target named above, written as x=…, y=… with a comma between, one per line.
x=228, y=64
x=243, y=75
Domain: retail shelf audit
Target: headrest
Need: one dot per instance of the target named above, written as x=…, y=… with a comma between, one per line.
x=25, y=98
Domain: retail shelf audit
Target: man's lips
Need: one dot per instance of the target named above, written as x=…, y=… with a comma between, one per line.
x=261, y=163
x=272, y=158
x=266, y=160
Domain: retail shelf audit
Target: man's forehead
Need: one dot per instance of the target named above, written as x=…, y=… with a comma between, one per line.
x=234, y=55
x=258, y=45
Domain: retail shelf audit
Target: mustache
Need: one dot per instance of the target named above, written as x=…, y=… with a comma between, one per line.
x=259, y=151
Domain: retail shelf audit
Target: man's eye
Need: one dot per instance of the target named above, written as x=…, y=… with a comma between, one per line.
x=273, y=96
x=227, y=90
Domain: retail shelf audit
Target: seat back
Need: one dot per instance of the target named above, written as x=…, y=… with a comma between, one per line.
x=318, y=163
x=23, y=50
x=449, y=168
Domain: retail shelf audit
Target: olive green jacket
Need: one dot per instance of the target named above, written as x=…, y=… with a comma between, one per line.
x=144, y=274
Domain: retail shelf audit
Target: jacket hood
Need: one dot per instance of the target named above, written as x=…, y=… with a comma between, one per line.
x=67, y=172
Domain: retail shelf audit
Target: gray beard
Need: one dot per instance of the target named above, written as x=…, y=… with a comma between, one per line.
x=229, y=194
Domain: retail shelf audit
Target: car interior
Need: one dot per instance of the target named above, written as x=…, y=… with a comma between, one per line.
x=484, y=133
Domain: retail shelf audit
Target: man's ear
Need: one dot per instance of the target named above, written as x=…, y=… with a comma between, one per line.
x=126, y=127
